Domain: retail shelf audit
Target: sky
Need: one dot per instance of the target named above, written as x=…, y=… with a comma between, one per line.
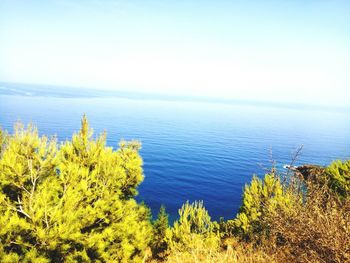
x=285, y=51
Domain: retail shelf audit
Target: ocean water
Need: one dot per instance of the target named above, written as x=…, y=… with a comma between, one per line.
x=193, y=150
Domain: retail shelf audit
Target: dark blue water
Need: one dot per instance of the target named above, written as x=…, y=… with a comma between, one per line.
x=193, y=151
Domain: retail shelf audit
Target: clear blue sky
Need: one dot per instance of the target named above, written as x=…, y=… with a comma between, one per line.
x=259, y=50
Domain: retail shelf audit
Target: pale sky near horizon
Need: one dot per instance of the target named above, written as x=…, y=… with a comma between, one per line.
x=258, y=50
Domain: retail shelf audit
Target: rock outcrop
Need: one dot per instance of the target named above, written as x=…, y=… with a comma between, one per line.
x=310, y=171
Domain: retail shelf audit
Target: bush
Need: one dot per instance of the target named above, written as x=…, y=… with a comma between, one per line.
x=193, y=230
x=338, y=174
x=3, y=137
x=260, y=199
x=159, y=244
x=72, y=202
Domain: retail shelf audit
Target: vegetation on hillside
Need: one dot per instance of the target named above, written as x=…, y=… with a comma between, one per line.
x=75, y=202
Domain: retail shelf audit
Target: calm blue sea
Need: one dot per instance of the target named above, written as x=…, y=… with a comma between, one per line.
x=193, y=150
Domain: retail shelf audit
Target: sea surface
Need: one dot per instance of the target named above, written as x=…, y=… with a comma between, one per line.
x=192, y=150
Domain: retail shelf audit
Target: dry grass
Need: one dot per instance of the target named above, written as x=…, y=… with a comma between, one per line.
x=318, y=231
x=241, y=253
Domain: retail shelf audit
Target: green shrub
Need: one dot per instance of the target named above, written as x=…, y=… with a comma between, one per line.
x=73, y=202
x=338, y=175
x=260, y=199
x=3, y=137
x=193, y=230
x=159, y=244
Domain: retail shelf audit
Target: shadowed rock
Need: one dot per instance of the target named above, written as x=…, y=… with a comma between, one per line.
x=310, y=171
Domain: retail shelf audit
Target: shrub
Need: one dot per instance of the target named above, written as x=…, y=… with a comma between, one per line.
x=338, y=174
x=160, y=227
x=3, y=137
x=193, y=230
x=70, y=203
x=260, y=199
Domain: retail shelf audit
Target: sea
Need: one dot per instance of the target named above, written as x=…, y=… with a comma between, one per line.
x=193, y=149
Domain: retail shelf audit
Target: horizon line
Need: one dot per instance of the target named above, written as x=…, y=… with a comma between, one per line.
x=33, y=89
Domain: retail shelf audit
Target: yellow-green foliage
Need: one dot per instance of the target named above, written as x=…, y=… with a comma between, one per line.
x=159, y=244
x=3, y=137
x=338, y=174
x=193, y=230
x=261, y=198
x=70, y=203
